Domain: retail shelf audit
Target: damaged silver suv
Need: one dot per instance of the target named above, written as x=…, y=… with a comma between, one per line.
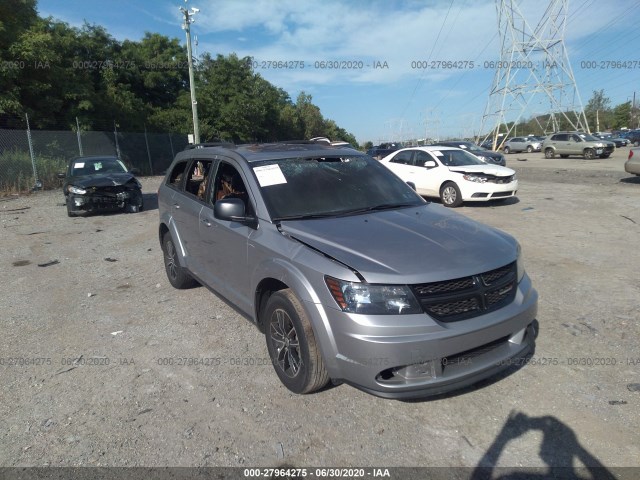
x=350, y=275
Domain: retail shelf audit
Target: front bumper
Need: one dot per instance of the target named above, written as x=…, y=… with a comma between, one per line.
x=483, y=192
x=415, y=356
x=98, y=201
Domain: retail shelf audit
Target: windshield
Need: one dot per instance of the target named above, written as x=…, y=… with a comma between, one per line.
x=295, y=188
x=457, y=158
x=84, y=166
x=590, y=138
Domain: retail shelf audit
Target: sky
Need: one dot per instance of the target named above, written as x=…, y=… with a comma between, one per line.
x=392, y=70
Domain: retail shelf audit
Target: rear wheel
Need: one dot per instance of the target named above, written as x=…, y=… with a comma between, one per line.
x=291, y=343
x=450, y=195
x=177, y=275
x=589, y=153
x=548, y=153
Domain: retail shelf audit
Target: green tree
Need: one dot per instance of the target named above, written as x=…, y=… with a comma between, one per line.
x=621, y=116
x=598, y=111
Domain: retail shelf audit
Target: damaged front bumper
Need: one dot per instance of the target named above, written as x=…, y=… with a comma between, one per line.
x=105, y=200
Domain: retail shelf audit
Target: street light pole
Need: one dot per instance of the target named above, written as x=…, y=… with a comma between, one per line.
x=188, y=20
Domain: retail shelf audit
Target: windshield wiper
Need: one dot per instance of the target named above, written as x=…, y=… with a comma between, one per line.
x=377, y=208
x=305, y=217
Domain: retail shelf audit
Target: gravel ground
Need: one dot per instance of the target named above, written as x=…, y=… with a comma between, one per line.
x=91, y=349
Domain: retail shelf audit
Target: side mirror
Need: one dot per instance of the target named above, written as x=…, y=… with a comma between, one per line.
x=61, y=175
x=429, y=164
x=233, y=210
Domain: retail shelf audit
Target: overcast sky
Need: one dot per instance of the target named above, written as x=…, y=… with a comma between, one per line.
x=380, y=90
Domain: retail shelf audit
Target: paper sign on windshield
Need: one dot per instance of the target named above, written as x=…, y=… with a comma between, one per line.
x=269, y=175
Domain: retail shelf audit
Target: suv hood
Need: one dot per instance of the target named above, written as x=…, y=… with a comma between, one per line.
x=488, y=169
x=408, y=245
x=102, y=180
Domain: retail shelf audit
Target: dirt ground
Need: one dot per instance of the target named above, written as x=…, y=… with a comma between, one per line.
x=103, y=363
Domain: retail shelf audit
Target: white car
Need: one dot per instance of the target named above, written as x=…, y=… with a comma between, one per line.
x=452, y=174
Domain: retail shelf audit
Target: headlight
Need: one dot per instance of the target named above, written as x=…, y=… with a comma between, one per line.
x=474, y=178
x=354, y=297
x=76, y=190
x=520, y=264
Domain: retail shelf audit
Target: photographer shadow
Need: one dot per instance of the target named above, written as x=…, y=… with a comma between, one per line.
x=560, y=450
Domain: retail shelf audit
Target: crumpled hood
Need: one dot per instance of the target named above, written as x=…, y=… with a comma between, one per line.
x=488, y=169
x=409, y=245
x=103, y=180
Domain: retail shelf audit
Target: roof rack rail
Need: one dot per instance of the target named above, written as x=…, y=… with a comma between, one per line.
x=209, y=144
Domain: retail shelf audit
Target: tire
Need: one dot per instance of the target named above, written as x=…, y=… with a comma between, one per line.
x=70, y=213
x=507, y=150
x=450, y=195
x=178, y=277
x=135, y=204
x=549, y=153
x=589, y=153
x=529, y=149
x=291, y=343
x=564, y=156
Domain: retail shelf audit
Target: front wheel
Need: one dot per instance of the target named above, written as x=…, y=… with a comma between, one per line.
x=292, y=346
x=507, y=150
x=589, y=153
x=548, y=153
x=529, y=149
x=177, y=275
x=450, y=195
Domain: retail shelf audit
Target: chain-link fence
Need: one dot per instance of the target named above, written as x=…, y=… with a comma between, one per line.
x=31, y=159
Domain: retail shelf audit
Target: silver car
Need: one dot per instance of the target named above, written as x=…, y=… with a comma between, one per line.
x=522, y=144
x=349, y=273
x=632, y=165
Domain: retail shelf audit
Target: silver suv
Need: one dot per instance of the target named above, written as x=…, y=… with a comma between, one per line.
x=350, y=274
x=521, y=144
x=576, y=143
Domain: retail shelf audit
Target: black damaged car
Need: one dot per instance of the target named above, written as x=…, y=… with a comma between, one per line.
x=100, y=183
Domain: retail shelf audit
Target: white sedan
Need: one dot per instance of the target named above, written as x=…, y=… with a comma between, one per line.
x=452, y=174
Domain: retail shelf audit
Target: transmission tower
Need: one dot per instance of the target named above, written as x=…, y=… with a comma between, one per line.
x=534, y=72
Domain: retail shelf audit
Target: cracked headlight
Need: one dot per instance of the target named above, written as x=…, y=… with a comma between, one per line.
x=76, y=190
x=354, y=297
x=474, y=178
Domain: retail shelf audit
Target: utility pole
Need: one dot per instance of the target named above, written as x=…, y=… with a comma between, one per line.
x=186, y=26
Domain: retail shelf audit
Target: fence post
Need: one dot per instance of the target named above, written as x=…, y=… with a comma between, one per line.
x=38, y=184
x=115, y=136
x=146, y=140
x=79, y=139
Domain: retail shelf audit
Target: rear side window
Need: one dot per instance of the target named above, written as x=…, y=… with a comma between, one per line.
x=563, y=137
x=177, y=174
x=403, y=158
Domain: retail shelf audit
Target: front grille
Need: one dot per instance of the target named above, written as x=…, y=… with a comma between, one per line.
x=502, y=194
x=502, y=180
x=466, y=297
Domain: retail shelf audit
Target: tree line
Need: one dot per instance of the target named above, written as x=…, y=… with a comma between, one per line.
x=60, y=75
